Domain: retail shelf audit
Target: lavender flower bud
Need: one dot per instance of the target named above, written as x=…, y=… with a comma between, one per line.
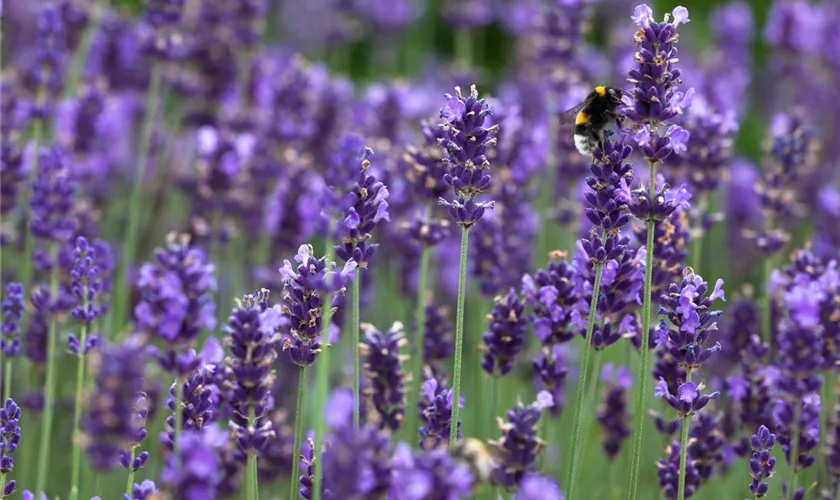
x=426, y=168
x=47, y=72
x=140, y=412
x=191, y=472
x=612, y=413
x=86, y=283
x=519, y=446
x=552, y=293
x=506, y=335
x=465, y=142
x=668, y=470
x=12, y=307
x=383, y=369
x=52, y=198
x=357, y=464
x=551, y=369
x=10, y=436
x=762, y=463
x=808, y=429
x=436, y=414
x=705, y=445
x=437, y=340
x=688, y=400
x=163, y=16
x=198, y=407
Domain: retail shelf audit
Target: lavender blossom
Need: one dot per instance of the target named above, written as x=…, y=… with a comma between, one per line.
x=688, y=310
x=176, y=301
x=305, y=288
x=140, y=413
x=551, y=369
x=612, y=413
x=52, y=198
x=367, y=206
x=807, y=429
x=198, y=407
x=109, y=423
x=705, y=445
x=253, y=334
x=535, y=487
x=164, y=16
x=465, y=141
x=688, y=400
x=761, y=463
x=437, y=341
x=519, y=446
x=357, y=464
x=143, y=491
x=668, y=470
x=506, y=335
x=383, y=369
x=10, y=436
x=12, y=307
x=671, y=238
x=436, y=414
x=420, y=475
x=47, y=72
x=191, y=472
x=552, y=293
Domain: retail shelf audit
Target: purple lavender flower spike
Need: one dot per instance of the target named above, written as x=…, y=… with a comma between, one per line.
x=519, y=447
x=163, y=17
x=688, y=400
x=177, y=301
x=52, y=198
x=612, y=413
x=253, y=335
x=10, y=436
x=762, y=463
x=307, y=461
x=192, y=471
x=553, y=295
x=535, y=487
x=140, y=413
x=383, y=369
x=465, y=141
x=436, y=414
x=86, y=282
x=551, y=369
x=705, y=445
x=198, y=407
x=143, y=491
x=109, y=423
x=688, y=309
x=668, y=470
x=422, y=474
x=305, y=287
x=47, y=71
x=12, y=307
x=506, y=335
x=357, y=464
x=367, y=206
x=808, y=429
x=437, y=341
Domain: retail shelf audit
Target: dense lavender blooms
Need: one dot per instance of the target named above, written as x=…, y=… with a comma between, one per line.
x=436, y=414
x=52, y=198
x=357, y=464
x=35, y=341
x=305, y=288
x=383, y=369
x=47, y=72
x=709, y=147
x=10, y=436
x=12, y=307
x=551, y=368
x=176, y=301
x=198, y=407
x=307, y=460
x=688, y=309
x=367, y=206
x=751, y=392
x=163, y=16
x=612, y=413
x=552, y=294
x=688, y=399
x=705, y=445
x=668, y=470
x=437, y=340
x=86, y=283
x=519, y=447
x=191, y=472
x=807, y=429
x=761, y=463
x=419, y=475
x=109, y=422
x=253, y=334
x=505, y=338
x=465, y=141
x=140, y=412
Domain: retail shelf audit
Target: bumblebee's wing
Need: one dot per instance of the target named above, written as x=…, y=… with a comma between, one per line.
x=570, y=114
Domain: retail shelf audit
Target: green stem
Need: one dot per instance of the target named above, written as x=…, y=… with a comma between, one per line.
x=354, y=327
x=130, y=485
x=2, y=484
x=7, y=378
x=767, y=301
x=463, y=47
x=794, y=449
x=459, y=339
x=74, y=74
x=581, y=392
x=49, y=385
x=179, y=410
x=293, y=493
x=643, y=374
x=684, y=447
x=412, y=424
x=134, y=208
x=28, y=237
x=322, y=382
x=250, y=481
x=77, y=412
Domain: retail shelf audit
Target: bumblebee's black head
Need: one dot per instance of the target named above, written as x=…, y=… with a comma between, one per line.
x=612, y=94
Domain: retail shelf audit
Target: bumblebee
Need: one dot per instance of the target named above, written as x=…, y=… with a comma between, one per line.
x=591, y=116
x=475, y=454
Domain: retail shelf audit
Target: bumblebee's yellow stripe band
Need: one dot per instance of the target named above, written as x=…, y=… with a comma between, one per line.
x=601, y=91
x=581, y=118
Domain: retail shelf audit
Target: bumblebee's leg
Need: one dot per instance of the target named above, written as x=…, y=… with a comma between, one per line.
x=600, y=137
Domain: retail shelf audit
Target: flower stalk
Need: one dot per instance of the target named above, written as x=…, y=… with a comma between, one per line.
x=77, y=413
x=293, y=490
x=413, y=423
x=49, y=385
x=459, y=337
x=684, y=446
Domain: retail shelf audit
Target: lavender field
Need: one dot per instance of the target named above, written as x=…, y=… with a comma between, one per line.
x=359, y=250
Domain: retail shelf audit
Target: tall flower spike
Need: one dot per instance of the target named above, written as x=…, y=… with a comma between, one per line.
x=465, y=141
x=807, y=430
x=13, y=307
x=163, y=16
x=9, y=441
x=52, y=198
x=437, y=341
x=198, y=406
x=191, y=472
x=505, y=337
x=436, y=414
x=383, y=369
x=253, y=335
x=357, y=464
x=519, y=447
x=305, y=287
x=761, y=463
x=668, y=470
x=109, y=423
x=552, y=294
x=688, y=309
x=367, y=206
x=47, y=72
x=176, y=302
x=140, y=412
x=143, y=491
x=688, y=400
x=612, y=414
